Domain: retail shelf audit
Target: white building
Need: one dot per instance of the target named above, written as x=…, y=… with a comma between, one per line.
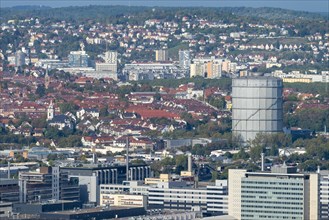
x=324, y=194
x=125, y=200
x=281, y=194
x=176, y=195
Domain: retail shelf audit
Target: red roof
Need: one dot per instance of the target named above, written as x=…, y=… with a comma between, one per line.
x=153, y=113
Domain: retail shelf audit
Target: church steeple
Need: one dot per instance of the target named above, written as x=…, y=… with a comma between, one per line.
x=47, y=79
x=50, y=111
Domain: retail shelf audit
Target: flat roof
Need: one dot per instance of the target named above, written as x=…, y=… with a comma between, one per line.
x=92, y=210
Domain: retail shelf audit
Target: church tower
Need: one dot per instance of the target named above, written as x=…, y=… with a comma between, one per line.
x=47, y=79
x=50, y=111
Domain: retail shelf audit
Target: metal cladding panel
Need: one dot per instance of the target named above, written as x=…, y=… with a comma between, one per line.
x=257, y=106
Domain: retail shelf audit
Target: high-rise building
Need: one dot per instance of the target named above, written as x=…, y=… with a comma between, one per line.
x=209, y=67
x=161, y=55
x=19, y=58
x=324, y=194
x=111, y=57
x=281, y=194
x=184, y=59
x=214, y=70
x=110, y=67
x=257, y=106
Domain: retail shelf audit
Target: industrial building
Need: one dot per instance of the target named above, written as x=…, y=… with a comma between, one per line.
x=9, y=190
x=280, y=194
x=47, y=184
x=257, y=106
x=90, y=177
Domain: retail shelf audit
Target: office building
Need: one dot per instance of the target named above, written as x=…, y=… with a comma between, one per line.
x=161, y=55
x=110, y=63
x=123, y=200
x=78, y=59
x=175, y=195
x=184, y=59
x=49, y=183
x=6, y=209
x=257, y=106
x=324, y=194
x=91, y=177
x=9, y=190
x=109, y=67
x=281, y=194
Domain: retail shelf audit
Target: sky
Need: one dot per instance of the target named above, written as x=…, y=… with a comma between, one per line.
x=299, y=5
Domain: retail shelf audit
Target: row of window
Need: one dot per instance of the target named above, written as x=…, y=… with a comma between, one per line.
x=271, y=183
x=288, y=193
x=271, y=202
x=273, y=188
x=273, y=212
x=272, y=207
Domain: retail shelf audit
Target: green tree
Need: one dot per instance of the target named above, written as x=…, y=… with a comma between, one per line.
x=103, y=112
x=68, y=107
x=41, y=90
x=181, y=163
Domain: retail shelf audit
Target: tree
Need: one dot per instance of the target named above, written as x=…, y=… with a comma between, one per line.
x=157, y=97
x=71, y=141
x=39, y=122
x=138, y=162
x=242, y=154
x=68, y=107
x=181, y=163
x=41, y=90
x=103, y=112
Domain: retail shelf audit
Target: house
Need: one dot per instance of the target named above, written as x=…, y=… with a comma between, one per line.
x=61, y=122
x=91, y=112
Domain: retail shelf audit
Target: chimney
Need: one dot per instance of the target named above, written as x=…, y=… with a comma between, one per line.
x=263, y=162
x=94, y=158
x=189, y=163
x=127, y=159
x=8, y=170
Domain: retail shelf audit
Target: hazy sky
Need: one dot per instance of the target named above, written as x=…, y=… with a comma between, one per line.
x=300, y=5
